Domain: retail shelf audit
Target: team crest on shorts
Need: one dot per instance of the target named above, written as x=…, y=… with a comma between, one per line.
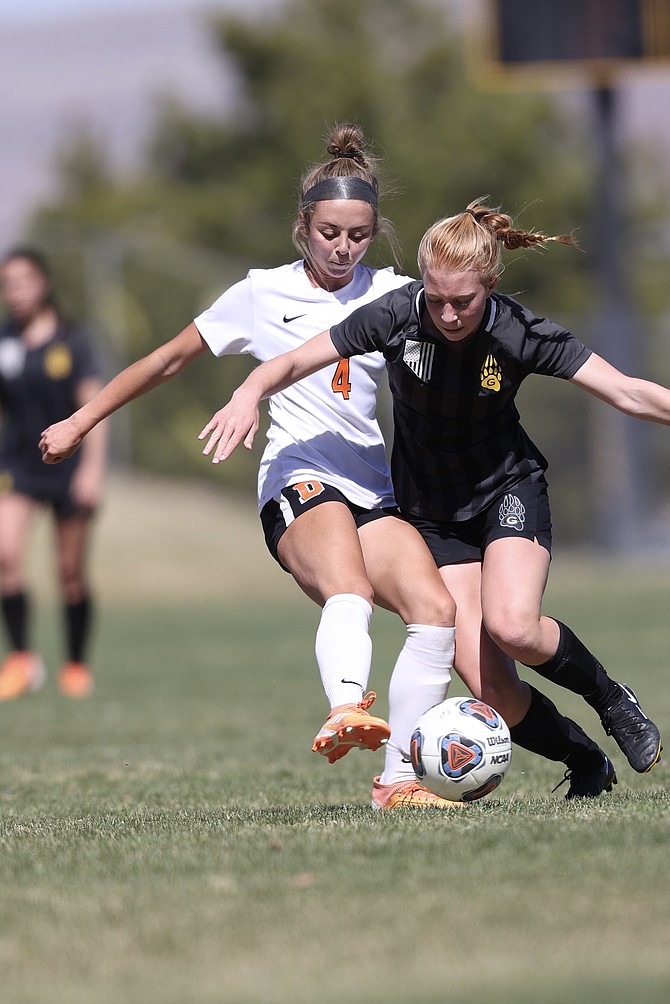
x=308, y=490
x=512, y=512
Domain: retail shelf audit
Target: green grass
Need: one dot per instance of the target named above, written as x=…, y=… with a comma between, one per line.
x=174, y=841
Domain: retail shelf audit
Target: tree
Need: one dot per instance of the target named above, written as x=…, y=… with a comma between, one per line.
x=229, y=185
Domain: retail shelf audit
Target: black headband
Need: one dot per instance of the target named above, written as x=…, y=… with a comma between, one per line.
x=341, y=188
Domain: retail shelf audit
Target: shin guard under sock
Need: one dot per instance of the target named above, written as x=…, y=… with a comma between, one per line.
x=344, y=648
x=77, y=626
x=545, y=731
x=15, y=611
x=420, y=679
x=576, y=669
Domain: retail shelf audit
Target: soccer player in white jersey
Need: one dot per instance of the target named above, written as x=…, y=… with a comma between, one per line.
x=325, y=491
x=325, y=494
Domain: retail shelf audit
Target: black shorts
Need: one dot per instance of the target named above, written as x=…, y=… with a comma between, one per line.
x=278, y=514
x=54, y=493
x=523, y=511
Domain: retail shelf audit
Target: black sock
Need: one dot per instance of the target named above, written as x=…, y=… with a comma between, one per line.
x=78, y=624
x=15, y=610
x=576, y=669
x=545, y=731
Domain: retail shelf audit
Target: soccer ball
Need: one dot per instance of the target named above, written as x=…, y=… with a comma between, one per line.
x=461, y=749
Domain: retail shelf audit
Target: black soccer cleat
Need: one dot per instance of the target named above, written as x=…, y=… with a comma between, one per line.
x=634, y=733
x=589, y=783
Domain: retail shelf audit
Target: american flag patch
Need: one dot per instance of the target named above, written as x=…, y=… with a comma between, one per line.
x=419, y=357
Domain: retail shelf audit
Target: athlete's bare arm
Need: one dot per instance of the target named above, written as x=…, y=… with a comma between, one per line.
x=637, y=398
x=237, y=422
x=62, y=439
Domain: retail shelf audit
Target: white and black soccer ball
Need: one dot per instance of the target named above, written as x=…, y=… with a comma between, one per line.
x=461, y=749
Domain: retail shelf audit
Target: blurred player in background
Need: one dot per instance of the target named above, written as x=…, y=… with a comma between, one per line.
x=464, y=471
x=325, y=495
x=47, y=368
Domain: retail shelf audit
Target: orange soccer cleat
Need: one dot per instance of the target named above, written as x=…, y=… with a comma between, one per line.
x=408, y=794
x=75, y=680
x=348, y=727
x=21, y=673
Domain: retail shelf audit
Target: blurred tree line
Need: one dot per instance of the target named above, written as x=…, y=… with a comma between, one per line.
x=216, y=195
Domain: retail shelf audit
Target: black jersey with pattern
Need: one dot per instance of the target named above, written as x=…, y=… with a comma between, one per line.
x=37, y=388
x=458, y=441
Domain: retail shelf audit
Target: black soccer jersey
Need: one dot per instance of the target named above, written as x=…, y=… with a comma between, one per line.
x=37, y=388
x=458, y=442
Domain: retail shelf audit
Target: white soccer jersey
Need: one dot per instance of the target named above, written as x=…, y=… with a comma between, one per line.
x=323, y=427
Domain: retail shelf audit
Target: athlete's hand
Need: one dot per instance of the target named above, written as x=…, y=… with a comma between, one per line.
x=59, y=442
x=233, y=424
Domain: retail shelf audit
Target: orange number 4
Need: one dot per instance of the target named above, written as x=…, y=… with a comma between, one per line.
x=340, y=382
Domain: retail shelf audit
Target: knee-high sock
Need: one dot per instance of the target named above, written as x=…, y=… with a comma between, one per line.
x=15, y=612
x=420, y=680
x=575, y=668
x=545, y=731
x=77, y=627
x=344, y=648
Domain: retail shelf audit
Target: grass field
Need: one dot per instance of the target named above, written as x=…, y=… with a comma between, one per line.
x=174, y=840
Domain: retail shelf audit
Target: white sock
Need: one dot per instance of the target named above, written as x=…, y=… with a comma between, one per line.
x=344, y=648
x=420, y=680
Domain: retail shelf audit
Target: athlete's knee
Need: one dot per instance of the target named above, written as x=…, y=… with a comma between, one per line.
x=421, y=602
x=517, y=641
x=359, y=587
x=71, y=579
x=363, y=589
x=438, y=609
x=515, y=632
x=11, y=571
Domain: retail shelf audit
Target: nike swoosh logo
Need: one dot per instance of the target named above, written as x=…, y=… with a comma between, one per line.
x=287, y=320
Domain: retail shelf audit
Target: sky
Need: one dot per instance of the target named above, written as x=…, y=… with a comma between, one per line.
x=102, y=63
x=27, y=11
x=106, y=63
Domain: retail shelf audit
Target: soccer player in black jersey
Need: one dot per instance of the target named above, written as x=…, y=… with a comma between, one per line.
x=47, y=368
x=465, y=472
